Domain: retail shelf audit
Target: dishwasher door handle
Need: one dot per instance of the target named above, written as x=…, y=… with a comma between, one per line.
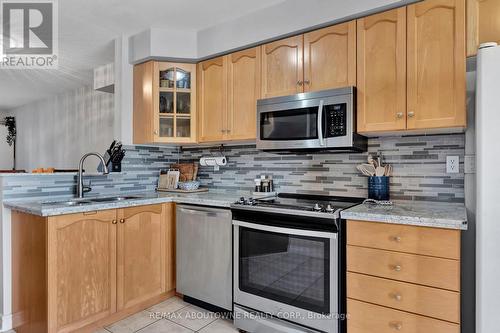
x=206, y=212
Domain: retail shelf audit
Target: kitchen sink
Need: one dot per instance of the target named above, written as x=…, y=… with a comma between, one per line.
x=88, y=201
x=114, y=199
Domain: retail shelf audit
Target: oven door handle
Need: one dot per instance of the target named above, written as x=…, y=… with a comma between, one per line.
x=320, y=123
x=287, y=231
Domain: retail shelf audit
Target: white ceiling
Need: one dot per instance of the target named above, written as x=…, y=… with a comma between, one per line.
x=87, y=29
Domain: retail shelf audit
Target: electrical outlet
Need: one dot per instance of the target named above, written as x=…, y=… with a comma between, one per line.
x=452, y=164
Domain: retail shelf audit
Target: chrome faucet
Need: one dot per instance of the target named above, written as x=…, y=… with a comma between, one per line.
x=81, y=189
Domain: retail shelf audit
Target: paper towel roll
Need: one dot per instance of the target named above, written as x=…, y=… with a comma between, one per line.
x=213, y=161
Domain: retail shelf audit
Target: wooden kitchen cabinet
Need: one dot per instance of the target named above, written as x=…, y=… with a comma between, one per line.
x=229, y=87
x=243, y=92
x=402, y=278
x=436, y=64
x=483, y=23
x=164, y=103
x=81, y=271
x=318, y=60
x=144, y=253
x=381, y=80
x=212, y=90
x=330, y=57
x=282, y=67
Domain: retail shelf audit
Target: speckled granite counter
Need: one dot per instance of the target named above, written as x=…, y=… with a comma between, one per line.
x=424, y=214
x=56, y=207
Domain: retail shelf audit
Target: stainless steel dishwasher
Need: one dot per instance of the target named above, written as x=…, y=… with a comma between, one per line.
x=204, y=254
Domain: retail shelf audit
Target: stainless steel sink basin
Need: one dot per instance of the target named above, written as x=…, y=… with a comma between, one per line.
x=88, y=201
x=114, y=199
x=67, y=203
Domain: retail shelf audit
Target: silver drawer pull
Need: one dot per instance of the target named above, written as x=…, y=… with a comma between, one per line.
x=396, y=268
x=396, y=296
x=397, y=325
x=396, y=239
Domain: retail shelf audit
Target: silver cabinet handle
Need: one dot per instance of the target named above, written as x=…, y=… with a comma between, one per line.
x=155, y=132
x=411, y=114
x=396, y=239
x=397, y=296
x=397, y=268
x=114, y=222
x=397, y=325
x=320, y=123
x=307, y=82
x=299, y=83
x=399, y=115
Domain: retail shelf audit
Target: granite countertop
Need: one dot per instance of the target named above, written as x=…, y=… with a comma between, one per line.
x=424, y=214
x=55, y=207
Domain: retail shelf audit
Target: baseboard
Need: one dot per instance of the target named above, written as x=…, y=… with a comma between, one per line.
x=5, y=323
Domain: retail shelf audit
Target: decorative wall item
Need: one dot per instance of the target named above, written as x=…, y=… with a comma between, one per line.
x=10, y=123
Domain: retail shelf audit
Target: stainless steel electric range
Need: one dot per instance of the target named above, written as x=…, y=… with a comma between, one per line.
x=289, y=263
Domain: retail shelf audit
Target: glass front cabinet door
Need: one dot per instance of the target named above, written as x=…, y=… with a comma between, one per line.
x=164, y=103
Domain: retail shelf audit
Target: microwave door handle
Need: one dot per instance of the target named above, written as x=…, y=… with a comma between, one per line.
x=320, y=124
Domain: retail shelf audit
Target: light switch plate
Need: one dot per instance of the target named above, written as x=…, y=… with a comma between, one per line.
x=470, y=163
x=452, y=164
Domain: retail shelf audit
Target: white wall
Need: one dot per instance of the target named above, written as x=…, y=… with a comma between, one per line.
x=5, y=149
x=57, y=131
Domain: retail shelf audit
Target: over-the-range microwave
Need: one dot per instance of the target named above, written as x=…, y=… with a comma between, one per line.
x=316, y=120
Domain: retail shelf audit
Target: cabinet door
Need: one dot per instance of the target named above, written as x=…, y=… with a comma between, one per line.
x=243, y=92
x=381, y=86
x=212, y=99
x=143, y=116
x=436, y=64
x=175, y=102
x=81, y=252
x=143, y=254
x=282, y=67
x=483, y=23
x=330, y=57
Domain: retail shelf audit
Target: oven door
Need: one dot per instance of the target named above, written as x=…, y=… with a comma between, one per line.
x=291, y=274
x=325, y=122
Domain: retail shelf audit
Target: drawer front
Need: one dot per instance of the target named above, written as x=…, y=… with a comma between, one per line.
x=427, y=301
x=427, y=271
x=418, y=240
x=368, y=318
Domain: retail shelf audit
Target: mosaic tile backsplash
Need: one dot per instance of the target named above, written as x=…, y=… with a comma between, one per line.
x=419, y=171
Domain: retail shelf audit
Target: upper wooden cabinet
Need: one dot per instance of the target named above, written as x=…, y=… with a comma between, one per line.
x=330, y=57
x=318, y=60
x=212, y=99
x=243, y=92
x=164, y=103
x=143, y=259
x=381, y=80
x=282, y=67
x=228, y=88
x=436, y=64
x=483, y=23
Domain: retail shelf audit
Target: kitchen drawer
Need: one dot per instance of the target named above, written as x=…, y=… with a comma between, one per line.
x=427, y=301
x=428, y=271
x=404, y=238
x=368, y=318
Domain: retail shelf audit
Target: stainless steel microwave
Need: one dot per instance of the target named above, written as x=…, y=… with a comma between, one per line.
x=316, y=120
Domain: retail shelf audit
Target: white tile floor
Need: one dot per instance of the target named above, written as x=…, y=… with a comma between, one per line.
x=172, y=316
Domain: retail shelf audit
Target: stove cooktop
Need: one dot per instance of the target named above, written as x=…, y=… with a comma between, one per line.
x=299, y=202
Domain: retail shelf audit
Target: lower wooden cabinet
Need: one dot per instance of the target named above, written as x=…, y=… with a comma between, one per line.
x=73, y=271
x=402, y=278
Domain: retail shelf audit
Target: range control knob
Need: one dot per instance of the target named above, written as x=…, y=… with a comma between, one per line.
x=317, y=208
x=329, y=209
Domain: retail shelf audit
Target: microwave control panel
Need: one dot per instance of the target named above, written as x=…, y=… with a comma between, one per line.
x=336, y=120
